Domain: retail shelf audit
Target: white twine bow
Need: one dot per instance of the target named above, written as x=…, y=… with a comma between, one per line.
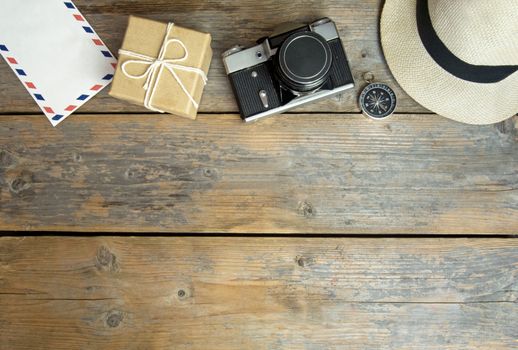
x=156, y=66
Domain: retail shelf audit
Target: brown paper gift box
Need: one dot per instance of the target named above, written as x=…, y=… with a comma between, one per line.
x=144, y=36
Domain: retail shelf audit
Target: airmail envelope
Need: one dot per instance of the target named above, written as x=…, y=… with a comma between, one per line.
x=55, y=53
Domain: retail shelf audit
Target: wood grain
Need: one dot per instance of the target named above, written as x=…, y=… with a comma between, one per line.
x=230, y=22
x=265, y=293
x=306, y=173
x=321, y=172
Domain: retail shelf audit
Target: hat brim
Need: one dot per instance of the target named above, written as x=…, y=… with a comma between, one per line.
x=432, y=86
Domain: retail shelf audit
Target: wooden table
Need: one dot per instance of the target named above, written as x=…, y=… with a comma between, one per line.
x=411, y=220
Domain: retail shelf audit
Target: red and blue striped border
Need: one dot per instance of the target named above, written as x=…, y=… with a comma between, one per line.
x=98, y=43
x=31, y=86
x=24, y=77
x=89, y=30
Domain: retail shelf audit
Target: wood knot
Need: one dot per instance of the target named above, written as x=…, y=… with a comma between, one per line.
x=303, y=261
x=307, y=209
x=114, y=318
x=21, y=184
x=364, y=53
x=184, y=293
x=106, y=260
x=209, y=172
x=7, y=159
x=130, y=174
x=77, y=157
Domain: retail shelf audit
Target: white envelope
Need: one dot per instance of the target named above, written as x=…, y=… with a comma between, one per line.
x=55, y=53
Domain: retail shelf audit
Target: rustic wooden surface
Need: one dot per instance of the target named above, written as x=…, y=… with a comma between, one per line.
x=289, y=174
x=332, y=172
x=323, y=169
x=257, y=293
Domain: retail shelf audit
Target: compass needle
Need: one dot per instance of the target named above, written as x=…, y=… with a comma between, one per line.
x=378, y=101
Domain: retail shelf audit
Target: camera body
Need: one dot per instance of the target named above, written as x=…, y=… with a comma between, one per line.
x=295, y=66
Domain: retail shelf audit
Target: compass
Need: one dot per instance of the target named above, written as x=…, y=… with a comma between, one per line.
x=378, y=101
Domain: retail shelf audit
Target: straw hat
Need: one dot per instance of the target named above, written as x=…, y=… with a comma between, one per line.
x=458, y=58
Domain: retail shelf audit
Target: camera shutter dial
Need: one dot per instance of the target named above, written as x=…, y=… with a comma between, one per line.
x=303, y=61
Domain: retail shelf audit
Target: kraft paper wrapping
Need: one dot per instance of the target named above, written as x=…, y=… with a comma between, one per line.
x=145, y=37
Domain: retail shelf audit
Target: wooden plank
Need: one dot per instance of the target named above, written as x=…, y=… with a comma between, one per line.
x=257, y=293
x=231, y=22
x=288, y=174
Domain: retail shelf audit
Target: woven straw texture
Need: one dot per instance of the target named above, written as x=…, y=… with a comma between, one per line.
x=433, y=87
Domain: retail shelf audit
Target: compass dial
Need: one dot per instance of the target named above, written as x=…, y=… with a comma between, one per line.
x=378, y=101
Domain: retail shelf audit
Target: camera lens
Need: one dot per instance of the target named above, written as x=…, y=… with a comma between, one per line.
x=303, y=61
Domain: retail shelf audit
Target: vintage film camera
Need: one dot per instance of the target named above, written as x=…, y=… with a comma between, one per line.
x=290, y=68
